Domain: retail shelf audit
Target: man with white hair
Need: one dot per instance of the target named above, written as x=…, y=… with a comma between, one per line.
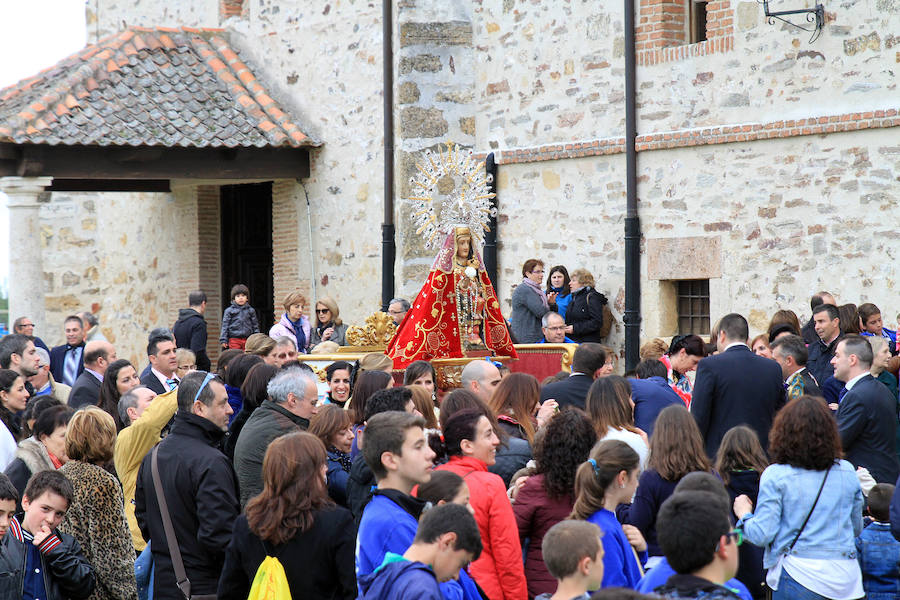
x=293, y=395
x=481, y=377
x=43, y=382
x=144, y=415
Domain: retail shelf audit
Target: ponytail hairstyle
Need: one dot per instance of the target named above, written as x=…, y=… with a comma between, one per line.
x=593, y=477
x=443, y=486
x=461, y=426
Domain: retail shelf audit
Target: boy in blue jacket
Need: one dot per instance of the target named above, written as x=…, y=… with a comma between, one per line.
x=447, y=540
x=396, y=450
x=877, y=550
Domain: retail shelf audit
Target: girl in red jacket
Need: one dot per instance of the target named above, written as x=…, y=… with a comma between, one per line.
x=471, y=444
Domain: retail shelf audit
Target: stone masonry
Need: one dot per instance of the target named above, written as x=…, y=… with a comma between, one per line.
x=771, y=163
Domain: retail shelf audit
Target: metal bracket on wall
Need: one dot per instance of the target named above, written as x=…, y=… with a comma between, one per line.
x=815, y=16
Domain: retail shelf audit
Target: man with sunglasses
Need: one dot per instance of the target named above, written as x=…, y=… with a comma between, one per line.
x=200, y=489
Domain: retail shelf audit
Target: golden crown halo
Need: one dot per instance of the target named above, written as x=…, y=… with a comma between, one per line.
x=469, y=204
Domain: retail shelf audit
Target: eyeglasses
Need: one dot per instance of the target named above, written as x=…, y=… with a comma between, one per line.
x=737, y=535
x=541, y=272
x=559, y=328
x=27, y=325
x=322, y=311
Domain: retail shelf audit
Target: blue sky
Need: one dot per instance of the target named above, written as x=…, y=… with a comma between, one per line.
x=34, y=34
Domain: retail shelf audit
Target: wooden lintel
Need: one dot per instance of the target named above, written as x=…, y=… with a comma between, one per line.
x=109, y=185
x=154, y=163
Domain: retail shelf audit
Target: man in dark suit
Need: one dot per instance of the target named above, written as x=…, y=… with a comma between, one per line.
x=651, y=393
x=97, y=357
x=190, y=329
x=828, y=331
x=735, y=387
x=789, y=351
x=586, y=365
x=67, y=360
x=867, y=415
x=161, y=377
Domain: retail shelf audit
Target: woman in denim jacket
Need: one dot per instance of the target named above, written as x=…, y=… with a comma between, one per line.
x=805, y=449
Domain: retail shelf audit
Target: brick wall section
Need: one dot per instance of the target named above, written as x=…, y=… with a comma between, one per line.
x=661, y=23
x=184, y=275
x=210, y=265
x=231, y=8
x=879, y=119
x=285, y=237
x=661, y=34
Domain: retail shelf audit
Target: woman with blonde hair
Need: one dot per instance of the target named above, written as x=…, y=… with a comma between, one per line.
x=293, y=324
x=584, y=315
x=881, y=352
x=295, y=520
x=611, y=410
x=760, y=345
x=96, y=515
x=261, y=345
x=676, y=449
x=328, y=324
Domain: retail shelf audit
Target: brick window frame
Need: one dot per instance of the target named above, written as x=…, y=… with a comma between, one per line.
x=663, y=31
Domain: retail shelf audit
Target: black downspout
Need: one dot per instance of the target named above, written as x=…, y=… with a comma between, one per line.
x=632, y=316
x=388, y=246
x=490, y=236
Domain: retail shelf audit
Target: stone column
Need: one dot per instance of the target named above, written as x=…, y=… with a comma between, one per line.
x=26, y=265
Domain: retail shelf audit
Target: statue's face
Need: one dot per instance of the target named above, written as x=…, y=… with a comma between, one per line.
x=463, y=245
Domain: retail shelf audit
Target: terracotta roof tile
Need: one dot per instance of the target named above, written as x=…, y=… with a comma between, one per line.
x=166, y=87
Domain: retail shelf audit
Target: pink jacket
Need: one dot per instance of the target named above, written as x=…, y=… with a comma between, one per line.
x=284, y=328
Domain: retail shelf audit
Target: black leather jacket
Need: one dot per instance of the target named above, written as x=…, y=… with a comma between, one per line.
x=66, y=572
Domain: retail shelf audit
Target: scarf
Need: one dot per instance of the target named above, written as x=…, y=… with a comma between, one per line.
x=537, y=290
x=298, y=332
x=56, y=462
x=560, y=291
x=342, y=457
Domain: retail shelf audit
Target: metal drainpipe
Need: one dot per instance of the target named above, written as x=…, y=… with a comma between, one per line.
x=490, y=236
x=632, y=316
x=388, y=245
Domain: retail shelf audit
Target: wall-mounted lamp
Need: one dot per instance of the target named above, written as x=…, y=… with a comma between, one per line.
x=815, y=16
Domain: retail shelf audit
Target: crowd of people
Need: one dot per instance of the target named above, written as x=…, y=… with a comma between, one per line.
x=722, y=468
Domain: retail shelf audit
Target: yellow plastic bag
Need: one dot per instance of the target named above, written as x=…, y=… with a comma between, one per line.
x=270, y=582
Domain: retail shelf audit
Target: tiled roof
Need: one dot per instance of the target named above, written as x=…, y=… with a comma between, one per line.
x=148, y=87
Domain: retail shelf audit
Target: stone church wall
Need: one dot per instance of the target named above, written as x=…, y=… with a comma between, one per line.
x=774, y=158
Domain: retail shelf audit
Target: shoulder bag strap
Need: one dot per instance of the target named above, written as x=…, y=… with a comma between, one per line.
x=181, y=579
x=809, y=514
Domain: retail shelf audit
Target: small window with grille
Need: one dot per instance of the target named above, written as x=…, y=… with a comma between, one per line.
x=693, y=306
